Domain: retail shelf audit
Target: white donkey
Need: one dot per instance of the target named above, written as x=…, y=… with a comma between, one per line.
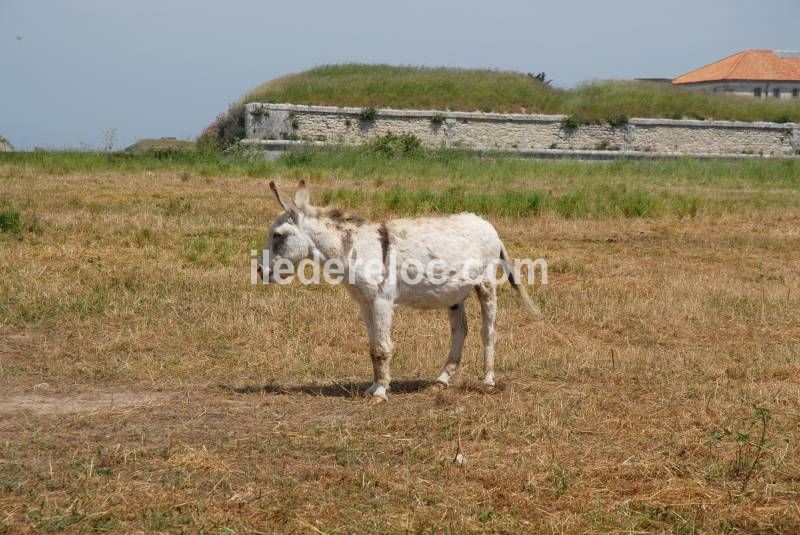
x=463, y=249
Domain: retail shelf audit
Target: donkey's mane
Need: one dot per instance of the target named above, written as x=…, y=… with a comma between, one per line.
x=340, y=217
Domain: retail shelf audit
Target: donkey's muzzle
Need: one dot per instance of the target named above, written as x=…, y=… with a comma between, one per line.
x=264, y=274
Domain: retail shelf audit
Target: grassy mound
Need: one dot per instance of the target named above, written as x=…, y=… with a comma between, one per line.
x=505, y=91
x=490, y=90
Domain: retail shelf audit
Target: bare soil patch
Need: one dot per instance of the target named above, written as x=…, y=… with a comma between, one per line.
x=45, y=404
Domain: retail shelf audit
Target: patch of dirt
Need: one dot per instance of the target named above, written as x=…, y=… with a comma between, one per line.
x=11, y=342
x=44, y=404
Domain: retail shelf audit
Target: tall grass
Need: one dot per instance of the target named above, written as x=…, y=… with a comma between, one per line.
x=419, y=181
x=505, y=91
x=206, y=163
x=369, y=162
x=582, y=202
x=364, y=163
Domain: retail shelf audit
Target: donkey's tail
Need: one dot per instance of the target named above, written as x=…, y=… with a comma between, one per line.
x=516, y=281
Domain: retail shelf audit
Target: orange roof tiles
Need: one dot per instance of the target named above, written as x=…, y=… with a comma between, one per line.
x=760, y=65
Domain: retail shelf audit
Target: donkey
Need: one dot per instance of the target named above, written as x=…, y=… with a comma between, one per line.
x=463, y=249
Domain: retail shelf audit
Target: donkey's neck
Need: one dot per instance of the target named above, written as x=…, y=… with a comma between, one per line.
x=327, y=238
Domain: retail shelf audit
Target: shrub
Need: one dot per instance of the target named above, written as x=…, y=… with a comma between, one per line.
x=368, y=114
x=10, y=222
x=393, y=145
x=571, y=122
x=617, y=119
x=226, y=130
x=438, y=118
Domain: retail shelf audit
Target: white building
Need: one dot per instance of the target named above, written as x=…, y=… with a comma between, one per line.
x=755, y=73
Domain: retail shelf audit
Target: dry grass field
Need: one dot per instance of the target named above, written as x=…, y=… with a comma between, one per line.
x=146, y=386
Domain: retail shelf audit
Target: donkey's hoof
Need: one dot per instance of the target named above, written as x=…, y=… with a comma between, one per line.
x=379, y=394
x=443, y=381
x=376, y=400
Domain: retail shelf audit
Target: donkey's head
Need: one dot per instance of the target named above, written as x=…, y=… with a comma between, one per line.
x=286, y=240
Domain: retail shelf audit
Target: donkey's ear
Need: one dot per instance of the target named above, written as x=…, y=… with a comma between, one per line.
x=301, y=195
x=286, y=202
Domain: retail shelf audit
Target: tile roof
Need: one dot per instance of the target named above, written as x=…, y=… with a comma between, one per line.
x=759, y=65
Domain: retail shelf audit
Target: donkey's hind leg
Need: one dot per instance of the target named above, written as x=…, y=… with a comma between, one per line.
x=458, y=332
x=487, y=295
x=381, y=348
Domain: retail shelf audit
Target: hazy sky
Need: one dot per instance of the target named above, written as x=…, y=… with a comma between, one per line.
x=71, y=70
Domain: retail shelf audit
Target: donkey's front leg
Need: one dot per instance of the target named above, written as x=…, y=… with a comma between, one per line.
x=381, y=348
x=366, y=315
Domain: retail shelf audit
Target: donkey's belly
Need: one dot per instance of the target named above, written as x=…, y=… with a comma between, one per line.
x=426, y=295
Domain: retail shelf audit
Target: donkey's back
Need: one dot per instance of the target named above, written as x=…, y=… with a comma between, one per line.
x=453, y=250
x=451, y=238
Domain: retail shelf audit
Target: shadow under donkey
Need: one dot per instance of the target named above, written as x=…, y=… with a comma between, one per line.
x=336, y=390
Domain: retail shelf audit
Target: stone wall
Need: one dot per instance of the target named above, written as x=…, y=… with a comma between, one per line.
x=510, y=132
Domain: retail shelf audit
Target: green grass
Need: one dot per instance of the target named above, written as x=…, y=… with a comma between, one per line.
x=13, y=222
x=401, y=178
x=365, y=163
x=593, y=202
x=183, y=161
x=592, y=189
x=377, y=163
x=505, y=91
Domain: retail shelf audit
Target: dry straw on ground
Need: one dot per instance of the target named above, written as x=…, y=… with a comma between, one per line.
x=631, y=408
